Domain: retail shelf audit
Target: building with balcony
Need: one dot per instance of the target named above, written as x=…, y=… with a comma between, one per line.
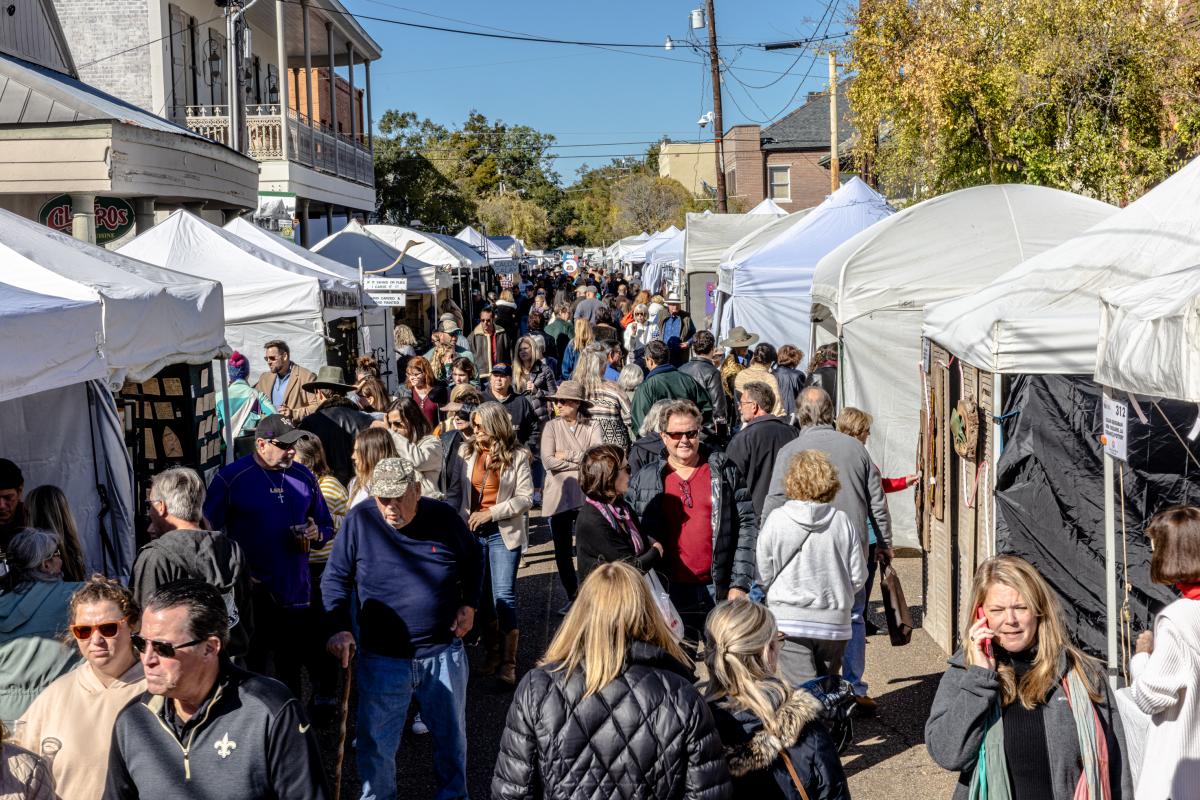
x=172, y=58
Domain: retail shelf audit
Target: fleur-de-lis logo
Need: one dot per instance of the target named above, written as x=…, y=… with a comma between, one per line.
x=225, y=746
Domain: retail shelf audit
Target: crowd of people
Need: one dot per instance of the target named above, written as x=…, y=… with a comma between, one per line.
x=716, y=527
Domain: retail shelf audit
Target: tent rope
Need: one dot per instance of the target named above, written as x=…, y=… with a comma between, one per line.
x=1191, y=456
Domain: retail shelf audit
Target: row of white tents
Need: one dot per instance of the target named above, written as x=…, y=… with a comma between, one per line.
x=80, y=321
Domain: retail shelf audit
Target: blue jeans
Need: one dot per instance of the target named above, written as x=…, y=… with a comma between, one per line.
x=501, y=565
x=386, y=686
x=854, y=660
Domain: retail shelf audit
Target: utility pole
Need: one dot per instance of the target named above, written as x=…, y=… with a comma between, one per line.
x=718, y=129
x=834, y=158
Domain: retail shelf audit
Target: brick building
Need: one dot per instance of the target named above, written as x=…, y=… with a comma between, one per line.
x=787, y=161
x=298, y=97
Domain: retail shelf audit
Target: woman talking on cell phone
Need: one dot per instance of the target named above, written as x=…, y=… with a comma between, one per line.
x=1034, y=718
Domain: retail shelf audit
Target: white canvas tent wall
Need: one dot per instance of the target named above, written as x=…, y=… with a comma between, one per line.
x=768, y=291
x=266, y=297
x=1150, y=337
x=354, y=244
x=706, y=237
x=59, y=423
x=870, y=293
x=1043, y=316
x=643, y=252
x=374, y=330
x=665, y=261
x=500, y=261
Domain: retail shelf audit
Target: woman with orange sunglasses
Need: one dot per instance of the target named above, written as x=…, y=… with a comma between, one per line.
x=70, y=723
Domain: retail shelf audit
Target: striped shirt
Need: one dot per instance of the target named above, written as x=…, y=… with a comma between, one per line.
x=337, y=500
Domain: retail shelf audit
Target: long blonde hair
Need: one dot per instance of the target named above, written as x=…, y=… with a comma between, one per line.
x=614, y=609
x=1052, y=641
x=583, y=334
x=371, y=445
x=736, y=638
x=495, y=421
x=521, y=373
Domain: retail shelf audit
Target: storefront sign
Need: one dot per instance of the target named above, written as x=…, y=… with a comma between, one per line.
x=1116, y=428
x=336, y=299
x=389, y=299
x=114, y=217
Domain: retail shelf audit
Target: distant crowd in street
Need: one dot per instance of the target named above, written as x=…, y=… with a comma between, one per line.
x=717, y=529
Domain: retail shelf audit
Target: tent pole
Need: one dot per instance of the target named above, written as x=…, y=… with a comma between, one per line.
x=1110, y=566
x=228, y=416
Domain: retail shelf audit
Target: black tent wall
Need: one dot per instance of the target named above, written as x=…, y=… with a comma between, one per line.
x=1050, y=494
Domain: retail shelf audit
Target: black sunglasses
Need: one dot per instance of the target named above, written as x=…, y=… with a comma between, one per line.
x=675, y=436
x=163, y=649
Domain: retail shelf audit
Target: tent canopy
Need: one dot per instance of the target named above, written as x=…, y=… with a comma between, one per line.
x=768, y=290
x=1150, y=337
x=944, y=246
x=756, y=239
x=1042, y=317
x=770, y=207
x=668, y=253
x=354, y=244
x=26, y=318
x=645, y=249
x=432, y=248
x=152, y=316
x=483, y=244
x=707, y=236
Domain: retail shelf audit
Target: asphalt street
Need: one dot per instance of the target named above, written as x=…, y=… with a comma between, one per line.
x=887, y=760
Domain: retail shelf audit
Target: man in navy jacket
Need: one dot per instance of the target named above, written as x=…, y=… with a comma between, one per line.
x=415, y=572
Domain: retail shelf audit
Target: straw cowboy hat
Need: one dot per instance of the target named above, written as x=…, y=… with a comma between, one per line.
x=738, y=337
x=570, y=390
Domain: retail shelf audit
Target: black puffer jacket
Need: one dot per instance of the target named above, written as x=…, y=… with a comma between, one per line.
x=708, y=375
x=647, y=735
x=736, y=525
x=754, y=755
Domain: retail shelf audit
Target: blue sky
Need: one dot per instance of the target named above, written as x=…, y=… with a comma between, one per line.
x=599, y=103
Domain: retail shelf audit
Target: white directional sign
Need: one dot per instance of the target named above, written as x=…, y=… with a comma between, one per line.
x=389, y=298
x=374, y=283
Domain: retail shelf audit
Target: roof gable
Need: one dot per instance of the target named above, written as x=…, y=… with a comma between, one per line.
x=31, y=32
x=808, y=126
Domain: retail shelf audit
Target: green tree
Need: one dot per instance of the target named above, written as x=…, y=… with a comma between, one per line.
x=408, y=185
x=649, y=203
x=1092, y=96
x=516, y=216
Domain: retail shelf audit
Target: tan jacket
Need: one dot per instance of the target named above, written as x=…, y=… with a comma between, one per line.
x=301, y=403
x=79, y=711
x=561, y=491
x=756, y=373
x=513, y=499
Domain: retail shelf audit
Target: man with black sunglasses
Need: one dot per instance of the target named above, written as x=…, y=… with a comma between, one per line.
x=205, y=728
x=695, y=501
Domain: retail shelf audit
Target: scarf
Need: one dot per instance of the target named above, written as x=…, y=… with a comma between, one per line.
x=1189, y=590
x=990, y=780
x=620, y=518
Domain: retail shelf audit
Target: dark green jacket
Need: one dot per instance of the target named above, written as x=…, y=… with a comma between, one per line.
x=668, y=383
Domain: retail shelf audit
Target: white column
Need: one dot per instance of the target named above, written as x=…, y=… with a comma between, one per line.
x=370, y=115
x=332, y=95
x=308, y=89
x=281, y=54
x=353, y=111
x=83, y=217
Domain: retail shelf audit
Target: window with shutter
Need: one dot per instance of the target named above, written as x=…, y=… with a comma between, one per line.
x=216, y=67
x=176, y=95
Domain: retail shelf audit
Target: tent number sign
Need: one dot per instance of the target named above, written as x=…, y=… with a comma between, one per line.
x=1116, y=428
x=386, y=291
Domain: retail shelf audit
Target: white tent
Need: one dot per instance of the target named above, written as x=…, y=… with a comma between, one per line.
x=493, y=252
x=869, y=294
x=644, y=250
x=1042, y=317
x=707, y=237
x=768, y=291
x=59, y=422
x=375, y=331
x=354, y=245
x=1150, y=337
x=768, y=206
x=152, y=317
x=432, y=248
x=266, y=297
x=664, y=262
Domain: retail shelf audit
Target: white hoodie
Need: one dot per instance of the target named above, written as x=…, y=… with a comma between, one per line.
x=812, y=563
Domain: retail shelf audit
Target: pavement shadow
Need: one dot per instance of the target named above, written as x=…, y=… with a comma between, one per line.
x=899, y=726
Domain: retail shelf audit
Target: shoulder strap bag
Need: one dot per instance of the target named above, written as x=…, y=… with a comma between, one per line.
x=787, y=762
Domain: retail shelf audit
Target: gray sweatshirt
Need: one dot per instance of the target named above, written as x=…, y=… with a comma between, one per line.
x=862, y=490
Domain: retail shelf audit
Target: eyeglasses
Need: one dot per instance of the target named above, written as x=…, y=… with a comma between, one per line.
x=162, y=649
x=107, y=629
x=269, y=359
x=281, y=445
x=675, y=436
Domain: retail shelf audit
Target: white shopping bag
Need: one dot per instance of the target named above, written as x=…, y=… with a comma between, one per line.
x=663, y=600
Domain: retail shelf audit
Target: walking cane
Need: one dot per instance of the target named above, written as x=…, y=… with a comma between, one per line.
x=345, y=716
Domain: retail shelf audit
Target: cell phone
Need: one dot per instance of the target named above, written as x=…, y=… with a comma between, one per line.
x=987, y=643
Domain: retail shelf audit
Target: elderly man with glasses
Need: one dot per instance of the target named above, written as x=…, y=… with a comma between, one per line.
x=274, y=509
x=205, y=728
x=695, y=501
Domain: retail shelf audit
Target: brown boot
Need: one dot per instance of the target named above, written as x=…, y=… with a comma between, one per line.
x=508, y=669
x=491, y=644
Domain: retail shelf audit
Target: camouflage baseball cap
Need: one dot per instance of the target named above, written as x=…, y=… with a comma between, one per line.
x=392, y=477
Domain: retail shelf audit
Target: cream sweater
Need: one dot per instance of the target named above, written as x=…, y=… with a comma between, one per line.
x=79, y=712
x=1166, y=685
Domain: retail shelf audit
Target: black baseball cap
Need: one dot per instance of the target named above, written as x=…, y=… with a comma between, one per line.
x=280, y=429
x=501, y=369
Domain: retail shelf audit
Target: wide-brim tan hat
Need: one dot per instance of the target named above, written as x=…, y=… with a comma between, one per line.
x=331, y=379
x=739, y=337
x=570, y=390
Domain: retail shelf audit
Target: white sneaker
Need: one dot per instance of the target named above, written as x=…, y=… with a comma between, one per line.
x=419, y=727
